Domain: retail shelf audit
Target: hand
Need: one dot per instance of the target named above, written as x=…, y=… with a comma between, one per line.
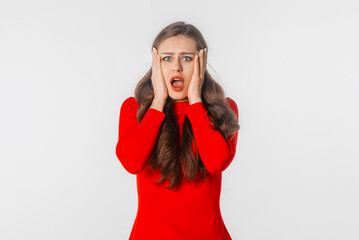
x=196, y=84
x=158, y=82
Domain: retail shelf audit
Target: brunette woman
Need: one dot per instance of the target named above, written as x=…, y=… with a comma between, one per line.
x=178, y=134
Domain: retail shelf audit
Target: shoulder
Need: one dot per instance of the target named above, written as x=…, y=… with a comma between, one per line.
x=129, y=103
x=233, y=105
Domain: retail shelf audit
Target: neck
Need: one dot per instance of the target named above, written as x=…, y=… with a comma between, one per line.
x=182, y=100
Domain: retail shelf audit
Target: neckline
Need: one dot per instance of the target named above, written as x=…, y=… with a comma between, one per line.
x=176, y=104
x=179, y=107
x=181, y=102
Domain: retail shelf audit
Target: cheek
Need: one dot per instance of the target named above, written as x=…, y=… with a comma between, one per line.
x=165, y=67
x=165, y=71
x=189, y=71
x=190, y=66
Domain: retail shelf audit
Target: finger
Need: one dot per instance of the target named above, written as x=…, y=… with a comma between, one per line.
x=205, y=60
x=196, y=66
x=159, y=67
x=158, y=60
x=201, y=63
x=153, y=57
x=159, y=63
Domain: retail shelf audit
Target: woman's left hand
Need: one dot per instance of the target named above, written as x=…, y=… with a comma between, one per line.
x=195, y=86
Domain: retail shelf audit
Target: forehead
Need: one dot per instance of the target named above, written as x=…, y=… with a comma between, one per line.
x=178, y=43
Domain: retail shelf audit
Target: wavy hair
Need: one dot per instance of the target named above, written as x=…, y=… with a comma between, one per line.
x=167, y=151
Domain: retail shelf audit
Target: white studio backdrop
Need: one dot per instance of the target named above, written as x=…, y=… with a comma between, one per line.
x=291, y=66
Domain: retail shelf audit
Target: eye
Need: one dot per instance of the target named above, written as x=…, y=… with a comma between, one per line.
x=189, y=58
x=168, y=58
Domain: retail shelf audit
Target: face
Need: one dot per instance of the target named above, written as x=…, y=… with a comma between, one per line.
x=177, y=59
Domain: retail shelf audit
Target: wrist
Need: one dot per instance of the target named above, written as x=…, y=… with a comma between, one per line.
x=159, y=99
x=158, y=104
x=194, y=100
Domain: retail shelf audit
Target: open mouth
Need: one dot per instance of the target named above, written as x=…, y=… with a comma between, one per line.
x=177, y=81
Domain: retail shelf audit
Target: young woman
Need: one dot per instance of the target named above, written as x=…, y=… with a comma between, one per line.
x=178, y=134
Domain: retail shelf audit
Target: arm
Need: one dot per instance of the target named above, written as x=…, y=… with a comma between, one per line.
x=136, y=141
x=212, y=147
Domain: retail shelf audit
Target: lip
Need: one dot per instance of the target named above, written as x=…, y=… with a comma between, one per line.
x=177, y=89
x=173, y=77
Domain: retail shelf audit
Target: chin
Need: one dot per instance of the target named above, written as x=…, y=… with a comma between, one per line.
x=179, y=97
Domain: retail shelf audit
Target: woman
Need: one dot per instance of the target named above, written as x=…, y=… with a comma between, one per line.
x=178, y=134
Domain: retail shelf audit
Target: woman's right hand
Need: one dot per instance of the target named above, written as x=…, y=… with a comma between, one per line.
x=158, y=81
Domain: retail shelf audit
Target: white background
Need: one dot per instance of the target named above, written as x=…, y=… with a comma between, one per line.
x=291, y=66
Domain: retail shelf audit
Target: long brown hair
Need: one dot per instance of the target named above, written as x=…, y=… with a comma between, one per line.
x=167, y=151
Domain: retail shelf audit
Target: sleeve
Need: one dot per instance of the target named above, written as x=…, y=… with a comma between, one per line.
x=212, y=146
x=136, y=141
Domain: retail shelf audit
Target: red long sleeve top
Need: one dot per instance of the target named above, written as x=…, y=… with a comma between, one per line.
x=192, y=212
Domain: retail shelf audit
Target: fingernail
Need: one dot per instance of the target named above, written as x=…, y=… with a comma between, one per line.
x=205, y=49
x=153, y=49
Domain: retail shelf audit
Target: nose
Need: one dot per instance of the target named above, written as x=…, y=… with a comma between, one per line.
x=177, y=67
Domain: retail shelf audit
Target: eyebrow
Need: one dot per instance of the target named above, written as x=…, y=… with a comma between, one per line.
x=181, y=53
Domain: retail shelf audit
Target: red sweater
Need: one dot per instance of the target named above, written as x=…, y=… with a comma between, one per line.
x=193, y=211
